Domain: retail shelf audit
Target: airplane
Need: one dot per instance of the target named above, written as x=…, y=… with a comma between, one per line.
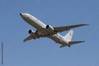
x=43, y=30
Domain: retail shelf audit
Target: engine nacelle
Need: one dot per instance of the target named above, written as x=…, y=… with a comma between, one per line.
x=49, y=27
x=34, y=35
x=30, y=31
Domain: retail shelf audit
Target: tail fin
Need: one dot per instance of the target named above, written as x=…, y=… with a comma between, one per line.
x=68, y=36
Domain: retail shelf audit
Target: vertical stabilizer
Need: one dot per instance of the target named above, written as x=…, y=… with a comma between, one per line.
x=68, y=36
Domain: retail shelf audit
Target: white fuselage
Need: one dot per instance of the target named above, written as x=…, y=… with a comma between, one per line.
x=32, y=20
x=58, y=38
x=41, y=28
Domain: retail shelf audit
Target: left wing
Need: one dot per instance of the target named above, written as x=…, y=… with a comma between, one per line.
x=66, y=28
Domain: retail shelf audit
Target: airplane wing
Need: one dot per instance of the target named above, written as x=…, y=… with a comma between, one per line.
x=65, y=28
x=28, y=38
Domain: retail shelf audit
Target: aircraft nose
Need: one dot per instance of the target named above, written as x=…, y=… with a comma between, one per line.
x=24, y=15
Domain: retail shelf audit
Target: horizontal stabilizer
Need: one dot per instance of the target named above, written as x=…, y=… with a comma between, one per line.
x=76, y=42
x=71, y=43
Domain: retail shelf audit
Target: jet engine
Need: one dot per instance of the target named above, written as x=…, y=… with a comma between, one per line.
x=34, y=35
x=30, y=31
x=49, y=27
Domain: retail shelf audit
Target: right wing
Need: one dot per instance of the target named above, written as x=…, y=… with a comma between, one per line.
x=31, y=36
x=28, y=38
x=66, y=28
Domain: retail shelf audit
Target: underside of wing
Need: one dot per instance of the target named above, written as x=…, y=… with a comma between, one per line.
x=31, y=36
x=66, y=28
x=28, y=38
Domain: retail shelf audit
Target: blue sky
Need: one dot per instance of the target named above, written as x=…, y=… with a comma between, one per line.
x=45, y=52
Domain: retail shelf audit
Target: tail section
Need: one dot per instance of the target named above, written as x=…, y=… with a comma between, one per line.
x=68, y=37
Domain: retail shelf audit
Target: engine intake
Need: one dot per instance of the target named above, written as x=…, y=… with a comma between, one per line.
x=49, y=27
x=30, y=31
